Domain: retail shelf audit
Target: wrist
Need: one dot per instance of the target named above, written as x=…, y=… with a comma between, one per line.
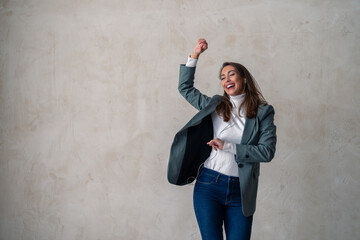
x=195, y=55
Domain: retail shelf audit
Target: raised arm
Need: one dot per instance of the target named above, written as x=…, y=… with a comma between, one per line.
x=187, y=76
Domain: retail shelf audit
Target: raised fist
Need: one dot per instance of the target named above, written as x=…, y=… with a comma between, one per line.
x=200, y=47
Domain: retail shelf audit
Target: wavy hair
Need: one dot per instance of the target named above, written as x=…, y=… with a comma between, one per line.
x=253, y=96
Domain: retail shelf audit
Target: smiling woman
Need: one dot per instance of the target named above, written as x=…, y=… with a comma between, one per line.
x=231, y=81
x=222, y=147
x=236, y=75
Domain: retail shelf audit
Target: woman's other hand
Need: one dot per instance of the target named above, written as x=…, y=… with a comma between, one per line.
x=200, y=47
x=216, y=144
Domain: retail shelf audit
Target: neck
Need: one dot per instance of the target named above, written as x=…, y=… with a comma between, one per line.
x=240, y=96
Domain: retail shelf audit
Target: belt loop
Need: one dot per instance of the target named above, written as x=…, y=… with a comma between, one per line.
x=217, y=178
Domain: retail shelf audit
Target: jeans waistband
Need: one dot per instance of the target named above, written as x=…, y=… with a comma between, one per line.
x=219, y=176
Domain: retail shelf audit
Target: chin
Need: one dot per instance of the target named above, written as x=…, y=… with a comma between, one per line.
x=232, y=93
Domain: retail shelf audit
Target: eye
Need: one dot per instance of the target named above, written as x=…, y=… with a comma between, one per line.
x=232, y=74
x=222, y=78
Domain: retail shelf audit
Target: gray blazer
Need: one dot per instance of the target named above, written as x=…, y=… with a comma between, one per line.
x=189, y=149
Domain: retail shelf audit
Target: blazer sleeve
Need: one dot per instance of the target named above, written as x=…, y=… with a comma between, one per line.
x=187, y=89
x=264, y=149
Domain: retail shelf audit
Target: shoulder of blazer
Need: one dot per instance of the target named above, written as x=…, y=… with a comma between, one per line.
x=264, y=110
x=208, y=109
x=216, y=99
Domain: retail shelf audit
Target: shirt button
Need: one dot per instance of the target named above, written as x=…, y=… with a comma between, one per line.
x=247, y=156
x=241, y=165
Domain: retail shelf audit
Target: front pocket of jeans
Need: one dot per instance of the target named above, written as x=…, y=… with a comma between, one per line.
x=206, y=178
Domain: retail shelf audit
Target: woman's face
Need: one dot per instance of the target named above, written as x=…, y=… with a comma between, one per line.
x=231, y=81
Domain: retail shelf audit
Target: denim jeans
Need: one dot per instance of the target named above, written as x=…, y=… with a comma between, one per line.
x=217, y=202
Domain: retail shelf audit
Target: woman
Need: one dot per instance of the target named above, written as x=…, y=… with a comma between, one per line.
x=222, y=147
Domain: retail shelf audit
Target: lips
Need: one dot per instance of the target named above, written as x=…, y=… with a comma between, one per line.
x=230, y=86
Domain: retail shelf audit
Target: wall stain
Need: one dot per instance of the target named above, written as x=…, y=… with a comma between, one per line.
x=4, y=4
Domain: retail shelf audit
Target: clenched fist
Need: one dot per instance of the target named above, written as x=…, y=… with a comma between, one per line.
x=200, y=47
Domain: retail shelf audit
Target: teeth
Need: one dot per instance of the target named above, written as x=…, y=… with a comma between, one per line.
x=229, y=86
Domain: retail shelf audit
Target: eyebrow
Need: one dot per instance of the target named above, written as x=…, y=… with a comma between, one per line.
x=227, y=72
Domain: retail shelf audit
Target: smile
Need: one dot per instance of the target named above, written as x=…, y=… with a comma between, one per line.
x=230, y=86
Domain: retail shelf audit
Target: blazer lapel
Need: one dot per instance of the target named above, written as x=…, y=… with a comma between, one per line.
x=248, y=130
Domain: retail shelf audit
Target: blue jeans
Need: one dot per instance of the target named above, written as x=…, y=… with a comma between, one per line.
x=217, y=202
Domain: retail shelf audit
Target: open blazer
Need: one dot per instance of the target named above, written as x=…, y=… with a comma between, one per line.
x=189, y=149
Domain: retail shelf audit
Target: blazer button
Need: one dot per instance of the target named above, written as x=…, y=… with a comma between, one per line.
x=247, y=156
x=241, y=165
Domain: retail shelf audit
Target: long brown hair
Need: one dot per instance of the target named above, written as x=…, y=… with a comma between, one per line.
x=253, y=96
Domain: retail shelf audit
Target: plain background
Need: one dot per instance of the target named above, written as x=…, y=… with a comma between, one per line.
x=89, y=107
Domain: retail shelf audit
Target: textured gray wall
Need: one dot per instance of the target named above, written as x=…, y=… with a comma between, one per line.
x=89, y=106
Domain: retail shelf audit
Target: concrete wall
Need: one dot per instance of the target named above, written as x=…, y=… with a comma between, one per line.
x=89, y=106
